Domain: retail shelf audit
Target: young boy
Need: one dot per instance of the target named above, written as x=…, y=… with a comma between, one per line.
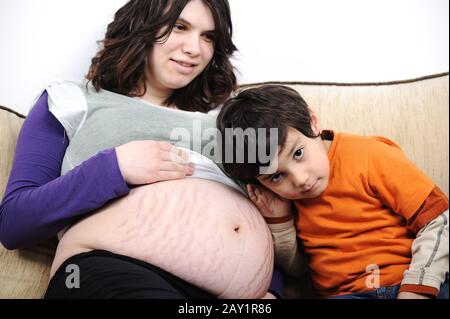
x=371, y=224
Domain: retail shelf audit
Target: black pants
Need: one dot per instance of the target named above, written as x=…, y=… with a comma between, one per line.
x=104, y=275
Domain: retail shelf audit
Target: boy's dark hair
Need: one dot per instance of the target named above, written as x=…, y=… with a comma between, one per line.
x=269, y=106
x=120, y=64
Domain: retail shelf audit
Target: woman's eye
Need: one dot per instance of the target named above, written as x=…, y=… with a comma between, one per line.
x=179, y=27
x=298, y=154
x=210, y=37
x=276, y=178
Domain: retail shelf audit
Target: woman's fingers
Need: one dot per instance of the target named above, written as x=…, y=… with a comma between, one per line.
x=167, y=147
x=170, y=175
x=174, y=154
x=164, y=146
x=141, y=162
x=170, y=166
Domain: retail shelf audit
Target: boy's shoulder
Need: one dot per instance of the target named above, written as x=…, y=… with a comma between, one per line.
x=363, y=141
x=360, y=150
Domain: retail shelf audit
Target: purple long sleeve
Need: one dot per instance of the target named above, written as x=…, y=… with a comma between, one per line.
x=38, y=201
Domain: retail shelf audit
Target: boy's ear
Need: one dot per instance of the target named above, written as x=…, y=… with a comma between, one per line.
x=315, y=122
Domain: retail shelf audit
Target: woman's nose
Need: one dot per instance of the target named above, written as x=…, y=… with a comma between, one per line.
x=191, y=45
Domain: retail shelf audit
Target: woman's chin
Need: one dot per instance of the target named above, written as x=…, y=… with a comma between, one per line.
x=180, y=83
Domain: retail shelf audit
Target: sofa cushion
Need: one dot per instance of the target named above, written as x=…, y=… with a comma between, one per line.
x=23, y=273
x=10, y=124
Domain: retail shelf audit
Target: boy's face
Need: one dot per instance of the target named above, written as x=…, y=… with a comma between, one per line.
x=303, y=167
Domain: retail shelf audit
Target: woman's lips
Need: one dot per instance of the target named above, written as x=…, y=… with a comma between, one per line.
x=183, y=67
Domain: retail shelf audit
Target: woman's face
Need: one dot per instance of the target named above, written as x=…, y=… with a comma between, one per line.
x=187, y=51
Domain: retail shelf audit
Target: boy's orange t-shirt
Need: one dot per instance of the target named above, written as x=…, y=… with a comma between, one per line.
x=357, y=228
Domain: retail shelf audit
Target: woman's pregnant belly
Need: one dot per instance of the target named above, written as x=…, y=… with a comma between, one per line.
x=201, y=231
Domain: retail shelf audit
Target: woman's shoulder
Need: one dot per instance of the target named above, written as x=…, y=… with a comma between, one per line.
x=63, y=87
x=67, y=102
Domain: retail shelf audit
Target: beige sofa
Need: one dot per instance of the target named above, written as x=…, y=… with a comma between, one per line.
x=414, y=113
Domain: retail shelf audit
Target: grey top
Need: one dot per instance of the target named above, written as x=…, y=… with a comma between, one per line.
x=96, y=121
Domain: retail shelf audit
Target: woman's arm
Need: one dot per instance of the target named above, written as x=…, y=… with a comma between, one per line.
x=38, y=202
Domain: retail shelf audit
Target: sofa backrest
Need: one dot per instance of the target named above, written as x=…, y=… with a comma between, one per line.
x=24, y=273
x=413, y=113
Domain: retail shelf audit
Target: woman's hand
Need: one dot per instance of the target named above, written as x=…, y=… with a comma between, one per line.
x=147, y=162
x=268, y=203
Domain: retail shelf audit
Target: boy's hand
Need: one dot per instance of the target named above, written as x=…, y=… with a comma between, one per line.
x=269, y=203
x=411, y=295
x=269, y=295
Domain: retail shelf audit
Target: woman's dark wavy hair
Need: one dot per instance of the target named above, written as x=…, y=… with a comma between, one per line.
x=120, y=65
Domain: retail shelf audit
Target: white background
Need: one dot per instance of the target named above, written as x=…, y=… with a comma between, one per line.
x=279, y=40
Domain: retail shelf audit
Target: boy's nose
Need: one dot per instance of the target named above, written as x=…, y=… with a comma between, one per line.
x=300, y=179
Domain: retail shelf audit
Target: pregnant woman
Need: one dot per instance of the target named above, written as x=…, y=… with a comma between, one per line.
x=121, y=167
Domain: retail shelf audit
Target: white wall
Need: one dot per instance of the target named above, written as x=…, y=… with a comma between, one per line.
x=282, y=40
x=44, y=40
x=341, y=40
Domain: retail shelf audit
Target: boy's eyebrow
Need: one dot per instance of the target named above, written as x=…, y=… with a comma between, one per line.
x=181, y=19
x=294, y=145
x=297, y=142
